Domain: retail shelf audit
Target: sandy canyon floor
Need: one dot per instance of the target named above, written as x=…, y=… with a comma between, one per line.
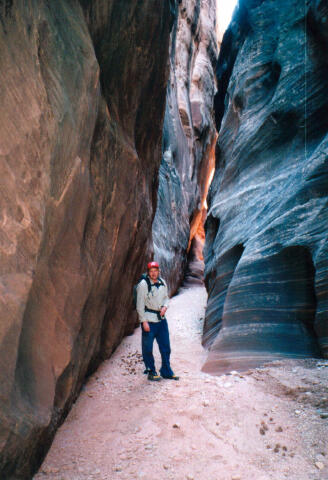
x=267, y=423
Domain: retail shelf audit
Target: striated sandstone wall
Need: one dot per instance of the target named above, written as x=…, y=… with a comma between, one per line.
x=188, y=139
x=82, y=107
x=266, y=231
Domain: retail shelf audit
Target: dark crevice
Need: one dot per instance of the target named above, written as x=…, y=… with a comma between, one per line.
x=217, y=284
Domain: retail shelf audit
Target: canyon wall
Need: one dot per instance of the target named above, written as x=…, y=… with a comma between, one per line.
x=266, y=250
x=82, y=108
x=188, y=142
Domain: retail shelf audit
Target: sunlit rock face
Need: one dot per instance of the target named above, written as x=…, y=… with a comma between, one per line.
x=188, y=138
x=83, y=90
x=266, y=249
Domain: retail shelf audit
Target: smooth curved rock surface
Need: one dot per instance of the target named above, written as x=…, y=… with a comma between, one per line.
x=266, y=251
x=188, y=138
x=82, y=108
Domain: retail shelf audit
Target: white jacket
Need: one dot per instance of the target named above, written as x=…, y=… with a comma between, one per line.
x=155, y=299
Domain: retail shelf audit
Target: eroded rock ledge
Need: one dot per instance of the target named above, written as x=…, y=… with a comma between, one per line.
x=266, y=232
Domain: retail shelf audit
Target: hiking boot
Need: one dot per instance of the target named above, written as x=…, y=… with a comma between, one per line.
x=153, y=376
x=172, y=377
x=146, y=371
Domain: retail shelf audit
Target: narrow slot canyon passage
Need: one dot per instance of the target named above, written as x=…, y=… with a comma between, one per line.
x=257, y=425
x=143, y=131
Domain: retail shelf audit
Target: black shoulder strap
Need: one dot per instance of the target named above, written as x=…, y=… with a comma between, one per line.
x=148, y=283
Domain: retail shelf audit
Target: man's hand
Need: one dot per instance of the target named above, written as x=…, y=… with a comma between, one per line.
x=145, y=326
x=163, y=311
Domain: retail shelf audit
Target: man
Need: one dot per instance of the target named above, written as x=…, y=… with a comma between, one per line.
x=151, y=308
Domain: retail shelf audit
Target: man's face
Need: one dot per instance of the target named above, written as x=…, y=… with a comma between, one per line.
x=153, y=273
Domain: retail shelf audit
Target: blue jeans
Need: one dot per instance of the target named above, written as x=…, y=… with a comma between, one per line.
x=160, y=331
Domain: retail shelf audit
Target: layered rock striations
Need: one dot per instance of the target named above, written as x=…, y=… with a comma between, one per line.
x=82, y=107
x=266, y=249
x=188, y=140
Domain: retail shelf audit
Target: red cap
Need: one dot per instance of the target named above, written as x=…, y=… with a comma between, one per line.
x=152, y=265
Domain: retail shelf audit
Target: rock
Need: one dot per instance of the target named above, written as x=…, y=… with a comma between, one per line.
x=81, y=132
x=176, y=425
x=206, y=403
x=322, y=364
x=236, y=477
x=264, y=426
x=188, y=144
x=50, y=470
x=319, y=465
x=324, y=415
x=266, y=255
